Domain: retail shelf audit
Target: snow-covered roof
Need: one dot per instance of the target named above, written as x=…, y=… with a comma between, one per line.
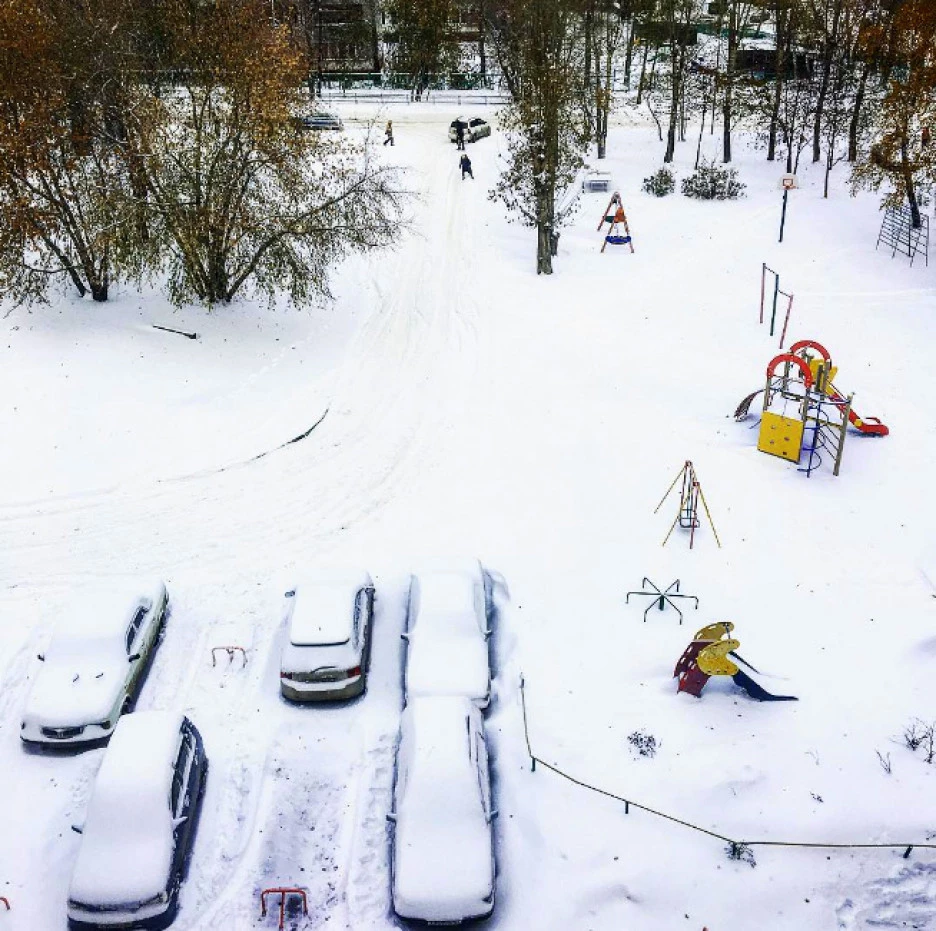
x=323, y=609
x=448, y=650
x=100, y=614
x=443, y=866
x=127, y=841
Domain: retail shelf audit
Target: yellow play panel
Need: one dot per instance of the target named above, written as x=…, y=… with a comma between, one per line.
x=781, y=436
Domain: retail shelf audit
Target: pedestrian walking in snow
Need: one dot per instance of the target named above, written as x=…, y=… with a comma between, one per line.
x=388, y=133
x=465, y=164
x=460, y=136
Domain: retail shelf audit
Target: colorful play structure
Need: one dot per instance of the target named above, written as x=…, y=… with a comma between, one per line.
x=690, y=494
x=712, y=653
x=821, y=414
x=615, y=216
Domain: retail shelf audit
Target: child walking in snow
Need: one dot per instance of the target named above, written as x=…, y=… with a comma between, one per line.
x=465, y=164
x=388, y=132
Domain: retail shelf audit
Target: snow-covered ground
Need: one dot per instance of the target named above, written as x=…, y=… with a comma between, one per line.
x=474, y=410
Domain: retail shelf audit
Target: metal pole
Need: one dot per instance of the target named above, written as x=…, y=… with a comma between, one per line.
x=786, y=321
x=783, y=216
x=776, y=291
x=763, y=276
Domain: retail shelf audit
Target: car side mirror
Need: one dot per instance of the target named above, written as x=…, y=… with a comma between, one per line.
x=134, y=657
x=78, y=828
x=40, y=657
x=290, y=594
x=404, y=636
x=494, y=813
x=176, y=822
x=391, y=816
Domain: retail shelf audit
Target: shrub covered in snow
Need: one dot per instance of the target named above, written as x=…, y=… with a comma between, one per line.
x=711, y=181
x=660, y=183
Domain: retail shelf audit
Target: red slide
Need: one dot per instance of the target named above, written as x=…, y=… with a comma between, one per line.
x=870, y=426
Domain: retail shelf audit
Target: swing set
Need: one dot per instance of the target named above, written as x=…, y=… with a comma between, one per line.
x=615, y=216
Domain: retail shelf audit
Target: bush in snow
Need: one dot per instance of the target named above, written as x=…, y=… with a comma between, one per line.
x=660, y=183
x=741, y=852
x=920, y=734
x=645, y=744
x=711, y=181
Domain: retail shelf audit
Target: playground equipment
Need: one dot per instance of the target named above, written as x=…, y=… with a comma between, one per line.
x=690, y=494
x=231, y=652
x=282, y=892
x=821, y=411
x=661, y=598
x=708, y=655
x=776, y=294
x=616, y=219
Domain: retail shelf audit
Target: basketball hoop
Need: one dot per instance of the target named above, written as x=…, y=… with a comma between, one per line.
x=789, y=183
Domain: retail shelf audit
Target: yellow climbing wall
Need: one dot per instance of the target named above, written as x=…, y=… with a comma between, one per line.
x=781, y=436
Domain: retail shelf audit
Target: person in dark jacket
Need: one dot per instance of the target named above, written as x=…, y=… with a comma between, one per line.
x=388, y=133
x=465, y=164
x=460, y=136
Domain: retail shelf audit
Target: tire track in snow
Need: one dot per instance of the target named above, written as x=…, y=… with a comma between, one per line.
x=402, y=374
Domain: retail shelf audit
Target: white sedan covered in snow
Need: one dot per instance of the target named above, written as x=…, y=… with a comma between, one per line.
x=140, y=825
x=447, y=631
x=328, y=651
x=94, y=666
x=443, y=854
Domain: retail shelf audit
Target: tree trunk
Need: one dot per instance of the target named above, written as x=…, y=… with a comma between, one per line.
x=909, y=186
x=676, y=63
x=780, y=77
x=827, y=54
x=729, y=81
x=629, y=54
x=856, y=116
x=482, y=53
x=643, y=73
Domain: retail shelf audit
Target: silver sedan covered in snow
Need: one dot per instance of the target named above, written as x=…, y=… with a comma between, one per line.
x=442, y=854
x=328, y=650
x=94, y=665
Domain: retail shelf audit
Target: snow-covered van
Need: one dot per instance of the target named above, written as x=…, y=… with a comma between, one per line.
x=140, y=824
x=442, y=862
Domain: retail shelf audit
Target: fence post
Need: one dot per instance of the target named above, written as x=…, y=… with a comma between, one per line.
x=776, y=291
x=786, y=321
x=763, y=278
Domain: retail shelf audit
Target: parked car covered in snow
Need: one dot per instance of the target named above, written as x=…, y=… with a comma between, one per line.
x=94, y=666
x=447, y=629
x=328, y=651
x=475, y=129
x=442, y=856
x=140, y=824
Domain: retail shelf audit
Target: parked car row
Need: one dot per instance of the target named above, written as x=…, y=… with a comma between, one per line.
x=442, y=855
x=142, y=816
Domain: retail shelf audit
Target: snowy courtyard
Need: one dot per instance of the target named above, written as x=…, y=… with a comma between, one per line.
x=465, y=408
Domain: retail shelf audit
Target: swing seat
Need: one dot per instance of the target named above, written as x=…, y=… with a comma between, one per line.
x=618, y=240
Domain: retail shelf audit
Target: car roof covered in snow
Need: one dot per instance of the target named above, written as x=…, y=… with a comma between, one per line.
x=100, y=614
x=448, y=650
x=127, y=841
x=322, y=610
